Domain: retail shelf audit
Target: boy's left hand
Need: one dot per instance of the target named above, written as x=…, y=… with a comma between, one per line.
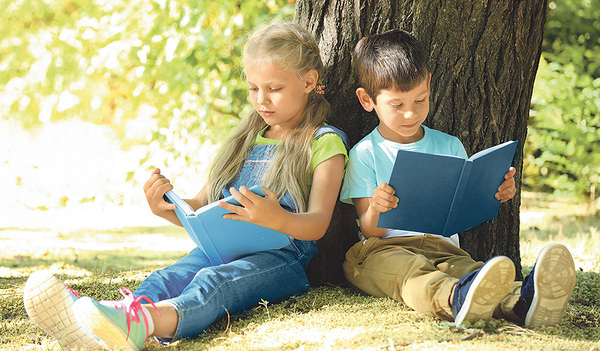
x=507, y=189
x=264, y=211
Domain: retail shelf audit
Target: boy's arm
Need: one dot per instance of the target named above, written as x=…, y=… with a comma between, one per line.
x=369, y=209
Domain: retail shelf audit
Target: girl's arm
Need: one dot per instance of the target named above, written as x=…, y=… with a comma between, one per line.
x=309, y=225
x=156, y=187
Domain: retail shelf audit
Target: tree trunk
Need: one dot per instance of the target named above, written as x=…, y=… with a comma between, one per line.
x=483, y=56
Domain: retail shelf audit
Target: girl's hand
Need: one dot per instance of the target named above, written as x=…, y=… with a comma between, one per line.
x=154, y=189
x=264, y=211
x=383, y=198
x=507, y=189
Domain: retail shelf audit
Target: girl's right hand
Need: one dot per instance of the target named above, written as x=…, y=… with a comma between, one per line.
x=155, y=188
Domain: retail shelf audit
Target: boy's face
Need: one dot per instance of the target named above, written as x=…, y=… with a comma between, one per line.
x=400, y=113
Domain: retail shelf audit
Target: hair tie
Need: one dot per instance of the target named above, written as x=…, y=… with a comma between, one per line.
x=320, y=89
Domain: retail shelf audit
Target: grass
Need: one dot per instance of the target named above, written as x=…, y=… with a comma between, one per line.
x=97, y=263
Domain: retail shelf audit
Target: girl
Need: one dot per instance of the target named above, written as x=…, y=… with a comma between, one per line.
x=285, y=146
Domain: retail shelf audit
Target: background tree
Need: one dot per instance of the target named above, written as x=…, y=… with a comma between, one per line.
x=164, y=79
x=483, y=56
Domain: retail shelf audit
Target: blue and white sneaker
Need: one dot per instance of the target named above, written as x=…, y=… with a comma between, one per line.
x=477, y=293
x=48, y=303
x=122, y=324
x=546, y=290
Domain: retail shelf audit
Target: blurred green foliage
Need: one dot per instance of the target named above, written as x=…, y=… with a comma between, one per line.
x=562, y=152
x=166, y=73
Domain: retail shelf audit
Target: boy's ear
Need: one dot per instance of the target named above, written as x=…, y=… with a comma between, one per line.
x=365, y=100
x=311, y=78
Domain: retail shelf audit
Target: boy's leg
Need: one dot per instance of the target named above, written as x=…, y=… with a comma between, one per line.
x=543, y=296
x=448, y=257
x=505, y=308
x=389, y=267
x=477, y=294
x=400, y=268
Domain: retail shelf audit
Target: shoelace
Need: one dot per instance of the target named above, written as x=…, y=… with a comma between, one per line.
x=132, y=304
x=72, y=291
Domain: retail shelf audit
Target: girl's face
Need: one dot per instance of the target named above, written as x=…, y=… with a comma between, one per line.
x=279, y=95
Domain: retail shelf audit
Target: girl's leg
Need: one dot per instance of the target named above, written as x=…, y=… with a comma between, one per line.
x=235, y=287
x=170, y=281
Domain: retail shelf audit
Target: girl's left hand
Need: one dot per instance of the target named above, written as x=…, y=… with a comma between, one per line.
x=264, y=211
x=507, y=190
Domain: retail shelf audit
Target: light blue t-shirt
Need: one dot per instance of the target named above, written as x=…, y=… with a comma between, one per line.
x=372, y=160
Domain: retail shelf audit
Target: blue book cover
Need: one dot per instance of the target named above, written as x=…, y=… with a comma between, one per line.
x=225, y=240
x=444, y=195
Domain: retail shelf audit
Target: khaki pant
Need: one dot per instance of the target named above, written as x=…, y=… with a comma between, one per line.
x=417, y=270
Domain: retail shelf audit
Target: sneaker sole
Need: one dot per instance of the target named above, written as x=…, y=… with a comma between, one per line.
x=489, y=287
x=48, y=304
x=102, y=327
x=554, y=281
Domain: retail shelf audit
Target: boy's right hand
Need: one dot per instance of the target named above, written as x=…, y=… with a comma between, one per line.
x=155, y=188
x=383, y=198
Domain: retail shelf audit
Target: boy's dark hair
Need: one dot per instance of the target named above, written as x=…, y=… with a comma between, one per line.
x=393, y=59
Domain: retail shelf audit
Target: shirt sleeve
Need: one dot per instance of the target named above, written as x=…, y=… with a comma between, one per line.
x=327, y=146
x=460, y=149
x=360, y=179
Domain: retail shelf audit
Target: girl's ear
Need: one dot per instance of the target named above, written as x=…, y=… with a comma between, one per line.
x=310, y=79
x=365, y=100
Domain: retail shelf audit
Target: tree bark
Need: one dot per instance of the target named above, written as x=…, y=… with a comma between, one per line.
x=483, y=56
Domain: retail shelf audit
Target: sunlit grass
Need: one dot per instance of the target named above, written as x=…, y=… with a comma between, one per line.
x=97, y=262
x=572, y=222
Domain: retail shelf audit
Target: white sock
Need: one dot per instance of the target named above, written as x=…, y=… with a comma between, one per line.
x=148, y=320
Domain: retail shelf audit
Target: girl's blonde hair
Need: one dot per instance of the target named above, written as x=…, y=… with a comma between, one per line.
x=292, y=47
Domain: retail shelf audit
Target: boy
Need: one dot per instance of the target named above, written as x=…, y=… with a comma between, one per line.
x=430, y=273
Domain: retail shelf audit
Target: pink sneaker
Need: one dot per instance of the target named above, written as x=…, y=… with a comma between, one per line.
x=48, y=303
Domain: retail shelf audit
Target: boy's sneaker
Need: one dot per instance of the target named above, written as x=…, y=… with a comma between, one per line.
x=477, y=293
x=546, y=290
x=121, y=324
x=48, y=303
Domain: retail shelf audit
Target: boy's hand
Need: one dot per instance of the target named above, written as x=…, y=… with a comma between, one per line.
x=154, y=189
x=507, y=189
x=383, y=198
x=264, y=211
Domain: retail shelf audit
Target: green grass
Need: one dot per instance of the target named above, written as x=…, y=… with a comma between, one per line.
x=325, y=318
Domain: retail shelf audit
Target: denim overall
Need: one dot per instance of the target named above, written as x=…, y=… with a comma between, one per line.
x=202, y=293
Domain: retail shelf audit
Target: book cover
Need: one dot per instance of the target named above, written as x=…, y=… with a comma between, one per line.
x=444, y=195
x=225, y=240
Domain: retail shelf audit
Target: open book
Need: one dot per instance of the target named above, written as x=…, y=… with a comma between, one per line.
x=441, y=194
x=225, y=240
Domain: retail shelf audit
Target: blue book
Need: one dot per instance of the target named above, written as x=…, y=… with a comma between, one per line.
x=444, y=195
x=225, y=240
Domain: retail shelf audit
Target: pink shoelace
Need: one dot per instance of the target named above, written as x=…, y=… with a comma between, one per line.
x=72, y=291
x=132, y=304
